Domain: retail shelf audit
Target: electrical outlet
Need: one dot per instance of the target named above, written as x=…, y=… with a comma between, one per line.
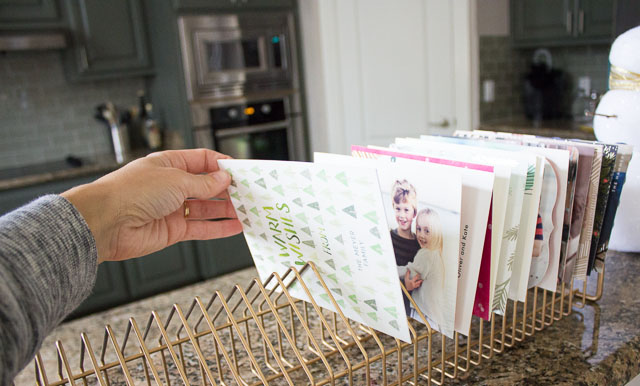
x=584, y=85
x=488, y=91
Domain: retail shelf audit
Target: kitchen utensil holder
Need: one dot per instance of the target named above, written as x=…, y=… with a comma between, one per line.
x=262, y=335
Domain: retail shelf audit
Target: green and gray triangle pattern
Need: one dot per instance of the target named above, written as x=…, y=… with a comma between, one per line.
x=343, y=233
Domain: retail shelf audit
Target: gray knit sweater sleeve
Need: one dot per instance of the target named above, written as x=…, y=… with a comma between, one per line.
x=48, y=265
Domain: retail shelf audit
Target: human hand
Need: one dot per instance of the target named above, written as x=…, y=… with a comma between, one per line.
x=138, y=209
x=412, y=283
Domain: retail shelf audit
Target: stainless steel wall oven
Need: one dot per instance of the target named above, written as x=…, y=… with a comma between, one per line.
x=261, y=129
x=242, y=80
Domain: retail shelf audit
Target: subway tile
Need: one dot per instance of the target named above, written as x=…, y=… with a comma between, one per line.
x=22, y=65
x=8, y=161
x=508, y=66
x=46, y=117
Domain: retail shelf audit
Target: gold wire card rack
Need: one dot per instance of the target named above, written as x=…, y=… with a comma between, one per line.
x=260, y=334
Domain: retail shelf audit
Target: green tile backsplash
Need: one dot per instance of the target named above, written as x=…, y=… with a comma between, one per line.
x=44, y=118
x=507, y=66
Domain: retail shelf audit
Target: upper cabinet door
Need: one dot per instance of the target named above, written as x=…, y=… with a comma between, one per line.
x=595, y=20
x=109, y=39
x=207, y=5
x=566, y=22
x=534, y=21
x=30, y=13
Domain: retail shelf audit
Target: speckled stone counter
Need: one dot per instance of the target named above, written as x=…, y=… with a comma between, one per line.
x=101, y=165
x=55, y=171
x=595, y=345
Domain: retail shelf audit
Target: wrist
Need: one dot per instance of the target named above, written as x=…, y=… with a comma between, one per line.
x=99, y=218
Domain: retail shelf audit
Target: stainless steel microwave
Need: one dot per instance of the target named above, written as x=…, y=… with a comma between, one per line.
x=235, y=54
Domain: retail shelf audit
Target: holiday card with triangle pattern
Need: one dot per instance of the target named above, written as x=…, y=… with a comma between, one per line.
x=333, y=216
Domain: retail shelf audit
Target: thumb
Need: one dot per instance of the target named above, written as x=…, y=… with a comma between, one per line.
x=205, y=186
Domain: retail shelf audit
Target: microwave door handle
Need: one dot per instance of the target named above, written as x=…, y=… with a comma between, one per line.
x=224, y=133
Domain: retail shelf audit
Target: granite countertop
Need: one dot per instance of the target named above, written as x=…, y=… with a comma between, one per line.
x=595, y=345
x=29, y=175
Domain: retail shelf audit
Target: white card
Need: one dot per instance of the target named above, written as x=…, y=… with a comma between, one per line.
x=528, y=220
x=577, y=192
x=333, y=216
x=477, y=187
x=546, y=253
x=508, y=193
x=580, y=270
x=438, y=192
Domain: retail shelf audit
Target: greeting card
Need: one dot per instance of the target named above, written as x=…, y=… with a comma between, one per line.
x=623, y=157
x=586, y=154
x=477, y=188
x=528, y=220
x=333, y=216
x=508, y=193
x=547, y=243
x=586, y=233
x=606, y=176
x=423, y=217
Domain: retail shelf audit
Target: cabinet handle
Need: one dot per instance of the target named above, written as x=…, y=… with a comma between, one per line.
x=581, y=22
x=569, y=22
x=84, y=59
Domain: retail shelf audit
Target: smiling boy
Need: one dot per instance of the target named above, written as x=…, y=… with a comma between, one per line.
x=405, y=245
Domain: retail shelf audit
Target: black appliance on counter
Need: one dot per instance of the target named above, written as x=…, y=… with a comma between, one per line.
x=545, y=93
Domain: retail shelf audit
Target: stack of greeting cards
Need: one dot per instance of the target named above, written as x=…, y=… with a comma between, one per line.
x=464, y=223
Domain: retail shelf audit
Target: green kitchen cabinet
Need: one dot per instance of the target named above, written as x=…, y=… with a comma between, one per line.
x=217, y=257
x=194, y=5
x=537, y=23
x=28, y=14
x=11, y=199
x=541, y=20
x=595, y=20
x=110, y=290
x=161, y=271
x=119, y=282
x=108, y=40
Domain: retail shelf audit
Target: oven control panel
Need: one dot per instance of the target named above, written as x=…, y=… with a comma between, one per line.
x=248, y=114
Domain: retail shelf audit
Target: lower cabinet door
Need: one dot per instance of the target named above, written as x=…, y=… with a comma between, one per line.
x=110, y=290
x=217, y=257
x=161, y=271
x=11, y=199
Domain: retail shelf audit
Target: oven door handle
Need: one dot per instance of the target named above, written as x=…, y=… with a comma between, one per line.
x=230, y=132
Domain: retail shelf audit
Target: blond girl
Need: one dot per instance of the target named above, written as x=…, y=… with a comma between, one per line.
x=429, y=264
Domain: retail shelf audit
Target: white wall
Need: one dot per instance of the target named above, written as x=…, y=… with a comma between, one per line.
x=493, y=17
